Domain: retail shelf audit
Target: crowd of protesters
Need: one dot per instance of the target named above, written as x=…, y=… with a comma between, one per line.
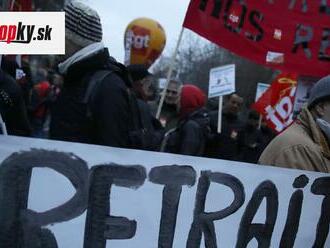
x=91, y=98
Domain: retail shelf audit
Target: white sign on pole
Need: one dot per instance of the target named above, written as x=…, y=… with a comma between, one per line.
x=162, y=83
x=222, y=81
x=87, y=196
x=261, y=89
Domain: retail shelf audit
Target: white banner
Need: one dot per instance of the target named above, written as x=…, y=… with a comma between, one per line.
x=93, y=196
x=32, y=32
x=222, y=81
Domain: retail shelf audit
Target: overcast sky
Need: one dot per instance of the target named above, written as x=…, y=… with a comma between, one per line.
x=117, y=14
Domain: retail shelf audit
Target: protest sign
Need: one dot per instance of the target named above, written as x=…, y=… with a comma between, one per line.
x=222, y=81
x=286, y=35
x=276, y=104
x=93, y=196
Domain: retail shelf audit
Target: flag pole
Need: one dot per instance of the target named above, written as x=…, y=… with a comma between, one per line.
x=220, y=114
x=260, y=122
x=169, y=74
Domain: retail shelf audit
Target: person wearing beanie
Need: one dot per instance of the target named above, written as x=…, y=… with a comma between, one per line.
x=306, y=143
x=94, y=104
x=190, y=136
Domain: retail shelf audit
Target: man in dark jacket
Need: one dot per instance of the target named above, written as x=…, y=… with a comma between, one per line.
x=189, y=137
x=94, y=105
x=225, y=145
x=143, y=89
x=250, y=141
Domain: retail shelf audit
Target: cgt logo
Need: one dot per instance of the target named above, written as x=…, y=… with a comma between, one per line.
x=24, y=33
x=140, y=40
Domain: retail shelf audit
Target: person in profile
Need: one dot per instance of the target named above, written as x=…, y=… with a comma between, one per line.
x=305, y=144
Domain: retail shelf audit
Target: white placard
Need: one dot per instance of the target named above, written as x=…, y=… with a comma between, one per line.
x=261, y=89
x=32, y=32
x=222, y=81
x=171, y=215
x=161, y=83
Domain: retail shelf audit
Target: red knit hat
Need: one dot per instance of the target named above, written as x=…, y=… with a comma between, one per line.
x=192, y=98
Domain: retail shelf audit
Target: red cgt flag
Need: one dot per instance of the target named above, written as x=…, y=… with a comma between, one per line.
x=276, y=104
x=286, y=35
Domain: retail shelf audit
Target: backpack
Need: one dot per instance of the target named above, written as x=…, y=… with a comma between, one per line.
x=139, y=136
x=173, y=138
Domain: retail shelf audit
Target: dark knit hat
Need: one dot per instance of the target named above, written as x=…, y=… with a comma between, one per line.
x=82, y=24
x=320, y=91
x=138, y=72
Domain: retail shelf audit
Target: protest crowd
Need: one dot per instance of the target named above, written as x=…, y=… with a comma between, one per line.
x=86, y=96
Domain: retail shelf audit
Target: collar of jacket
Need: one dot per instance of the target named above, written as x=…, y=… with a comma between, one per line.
x=307, y=120
x=99, y=61
x=82, y=54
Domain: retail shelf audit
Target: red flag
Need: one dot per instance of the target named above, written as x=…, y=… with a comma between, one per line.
x=287, y=35
x=21, y=5
x=276, y=104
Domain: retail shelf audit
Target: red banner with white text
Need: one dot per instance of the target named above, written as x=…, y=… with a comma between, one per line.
x=276, y=104
x=290, y=35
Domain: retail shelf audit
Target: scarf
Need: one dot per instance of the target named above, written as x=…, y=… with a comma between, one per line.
x=84, y=53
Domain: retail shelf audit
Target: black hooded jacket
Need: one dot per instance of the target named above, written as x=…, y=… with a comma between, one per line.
x=110, y=120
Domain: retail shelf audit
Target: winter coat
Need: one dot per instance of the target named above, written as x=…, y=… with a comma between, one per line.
x=110, y=120
x=12, y=107
x=153, y=131
x=169, y=116
x=302, y=146
x=250, y=144
x=190, y=136
x=226, y=144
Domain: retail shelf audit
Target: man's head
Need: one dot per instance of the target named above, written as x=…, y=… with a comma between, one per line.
x=172, y=92
x=143, y=81
x=253, y=119
x=319, y=101
x=82, y=27
x=234, y=104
